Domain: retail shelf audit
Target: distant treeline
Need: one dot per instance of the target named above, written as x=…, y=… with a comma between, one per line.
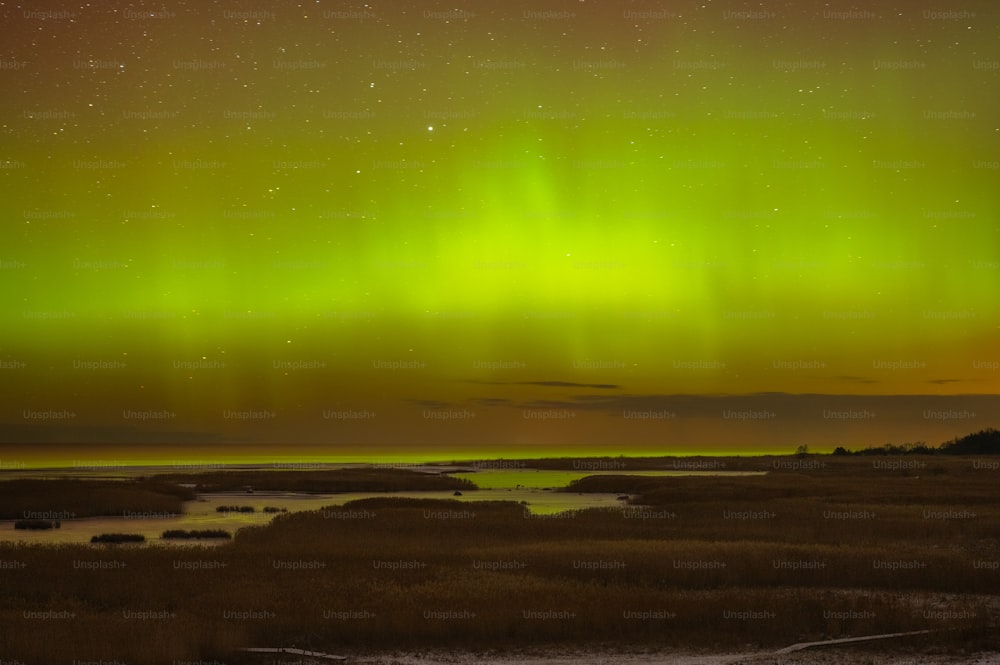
x=983, y=442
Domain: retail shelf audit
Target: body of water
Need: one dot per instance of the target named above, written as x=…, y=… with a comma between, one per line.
x=546, y=478
x=535, y=488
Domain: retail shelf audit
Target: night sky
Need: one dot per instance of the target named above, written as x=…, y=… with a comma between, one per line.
x=280, y=231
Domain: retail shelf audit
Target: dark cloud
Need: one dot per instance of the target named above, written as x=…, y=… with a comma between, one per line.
x=491, y=401
x=549, y=404
x=787, y=407
x=570, y=384
x=552, y=384
x=431, y=403
x=857, y=379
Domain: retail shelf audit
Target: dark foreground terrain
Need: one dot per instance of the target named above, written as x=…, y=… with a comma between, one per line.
x=832, y=548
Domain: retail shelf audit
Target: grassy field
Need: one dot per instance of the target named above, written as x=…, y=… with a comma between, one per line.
x=804, y=553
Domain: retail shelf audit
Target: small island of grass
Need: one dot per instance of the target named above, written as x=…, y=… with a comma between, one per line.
x=115, y=538
x=195, y=534
x=37, y=525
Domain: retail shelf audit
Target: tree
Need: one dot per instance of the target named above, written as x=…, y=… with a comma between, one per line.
x=983, y=442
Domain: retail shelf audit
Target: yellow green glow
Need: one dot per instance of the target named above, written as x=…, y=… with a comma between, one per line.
x=662, y=236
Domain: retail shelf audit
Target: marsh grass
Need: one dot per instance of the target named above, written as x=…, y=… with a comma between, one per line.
x=319, y=481
x=491, y=575
x=116, y=538
x=87, y=498
x=195, y=534
x=37, y=525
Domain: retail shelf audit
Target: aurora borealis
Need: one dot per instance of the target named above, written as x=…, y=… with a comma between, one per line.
x=349, y=230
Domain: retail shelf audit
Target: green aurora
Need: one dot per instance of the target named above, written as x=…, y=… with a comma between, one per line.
x=364, y=231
